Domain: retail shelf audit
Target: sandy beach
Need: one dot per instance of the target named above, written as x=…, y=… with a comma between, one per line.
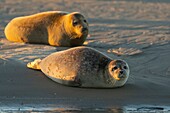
x=137, y=31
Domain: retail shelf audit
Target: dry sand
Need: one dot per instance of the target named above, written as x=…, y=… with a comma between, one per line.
x=137, y=31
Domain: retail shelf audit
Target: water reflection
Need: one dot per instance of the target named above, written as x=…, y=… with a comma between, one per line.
x=58, y=110
x=125, y=109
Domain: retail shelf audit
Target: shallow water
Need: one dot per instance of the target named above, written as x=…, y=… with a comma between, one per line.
x=61, y=109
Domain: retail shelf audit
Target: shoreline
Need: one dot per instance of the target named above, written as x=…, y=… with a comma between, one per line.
x=54, y=108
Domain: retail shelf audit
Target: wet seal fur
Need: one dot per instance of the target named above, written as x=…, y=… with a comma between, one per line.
x=83, y=67
x=56, y=28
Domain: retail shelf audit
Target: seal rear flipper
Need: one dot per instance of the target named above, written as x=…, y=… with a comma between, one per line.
x=35, y=64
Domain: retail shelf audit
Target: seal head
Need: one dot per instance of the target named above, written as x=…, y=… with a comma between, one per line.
x=76, y=27
x=118, y=71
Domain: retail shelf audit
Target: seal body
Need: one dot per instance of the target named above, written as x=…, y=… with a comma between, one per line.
x=84, y=67
x=56, y=28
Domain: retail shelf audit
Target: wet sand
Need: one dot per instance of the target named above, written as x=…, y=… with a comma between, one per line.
x=136, y=31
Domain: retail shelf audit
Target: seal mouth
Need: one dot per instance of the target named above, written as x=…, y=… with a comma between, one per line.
x=121, y=76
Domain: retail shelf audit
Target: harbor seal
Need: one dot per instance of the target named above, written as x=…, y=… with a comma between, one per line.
x=56, y=28
x=83, y=67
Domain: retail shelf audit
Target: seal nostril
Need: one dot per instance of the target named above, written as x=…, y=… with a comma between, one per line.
x=121, y=72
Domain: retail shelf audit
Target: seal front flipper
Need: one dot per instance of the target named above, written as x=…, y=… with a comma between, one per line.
x=35, y=64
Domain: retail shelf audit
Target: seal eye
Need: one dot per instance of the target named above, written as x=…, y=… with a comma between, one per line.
x=85, y=21
x=75, y=23
x=114, y=68
x=125, y=67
